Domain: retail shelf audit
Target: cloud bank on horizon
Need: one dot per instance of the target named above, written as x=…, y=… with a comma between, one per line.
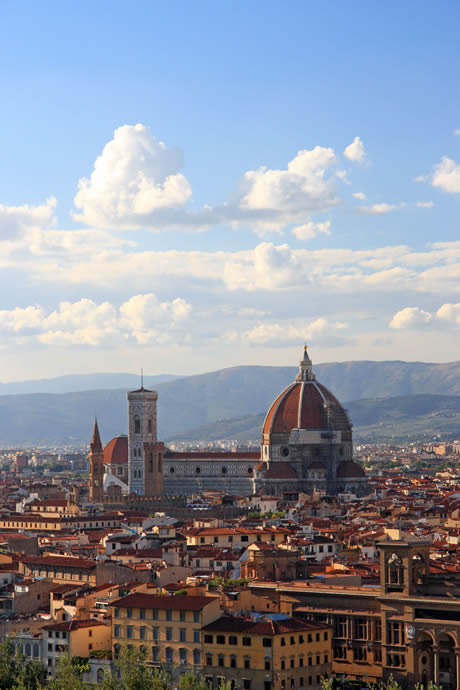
x=100, y=287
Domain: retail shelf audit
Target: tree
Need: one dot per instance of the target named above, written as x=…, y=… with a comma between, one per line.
x=68, y=675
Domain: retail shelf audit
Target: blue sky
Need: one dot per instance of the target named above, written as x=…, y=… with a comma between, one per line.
x=194, y=246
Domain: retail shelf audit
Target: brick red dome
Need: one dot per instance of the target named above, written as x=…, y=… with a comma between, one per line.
x=350, y=470
x=305, y=404
x=116, y=451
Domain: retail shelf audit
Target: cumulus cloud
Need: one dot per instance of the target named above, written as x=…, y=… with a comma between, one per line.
x=15, y=220
x=311, y=229
x=424, y=204
x=274, y=198
x=282, y=333
x=137, y=183
x=457, y=132
x=134, y=178
x=143, y=318
x=376, y=209
x=446, y=176
x=355, y=151
x=449, y=313
x=414, y=317
x=360, y=195
x=411, y=317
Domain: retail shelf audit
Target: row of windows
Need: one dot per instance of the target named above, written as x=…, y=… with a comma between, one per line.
x=357, y=628
x=266, y=641
x=154, y=614
x=142, y=633
x=243, y=538
x=358, y=653
x=182, y=655
x=291, y=664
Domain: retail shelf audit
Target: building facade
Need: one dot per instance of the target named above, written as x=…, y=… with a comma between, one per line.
x=306, y=447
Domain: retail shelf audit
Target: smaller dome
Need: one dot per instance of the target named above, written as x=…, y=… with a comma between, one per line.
x=280, y=470
x=350, y=470
x=116, y=451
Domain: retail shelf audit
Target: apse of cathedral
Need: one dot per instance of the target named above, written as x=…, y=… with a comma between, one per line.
x=306, y=446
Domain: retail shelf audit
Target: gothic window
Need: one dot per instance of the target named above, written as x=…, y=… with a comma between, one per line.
x=149, y=426
x=137, y=425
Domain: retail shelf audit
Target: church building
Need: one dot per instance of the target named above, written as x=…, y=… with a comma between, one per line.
x=306, y=446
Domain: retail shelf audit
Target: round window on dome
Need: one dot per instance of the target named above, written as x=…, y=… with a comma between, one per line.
x=224, y=470
x=198, y=470
x=285, y=452
x=249, y=470
x=171, y=469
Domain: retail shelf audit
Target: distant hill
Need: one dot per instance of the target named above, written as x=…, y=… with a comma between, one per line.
x=383, y=419
x=190, y=402
x=73, y=383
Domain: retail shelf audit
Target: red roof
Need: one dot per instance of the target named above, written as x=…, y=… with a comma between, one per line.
x=280, y=470
x=302, y=406
x=116, y=451
x=180, y=602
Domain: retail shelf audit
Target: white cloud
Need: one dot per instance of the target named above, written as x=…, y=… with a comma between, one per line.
x=414, y=317
x=15, y=220
x=135, y=177
x=376, y=209
x=355, y=151
x=360, y=195
x=311, y=229
x=268, y=333
x=449, y=313
x=421, y=178
x=457, y=132
x=143, y=318
x=274, y=198
x=411, y=317
x=137, y=183
x=424, y=204
x=446, y=176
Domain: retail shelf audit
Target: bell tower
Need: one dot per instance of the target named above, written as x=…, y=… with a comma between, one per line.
x=404, y=563
x=145, y=466
x=96, y=467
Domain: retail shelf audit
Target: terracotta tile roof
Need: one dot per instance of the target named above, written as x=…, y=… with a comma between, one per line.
x=262, y=626
x=153, y=601
x=57, y=561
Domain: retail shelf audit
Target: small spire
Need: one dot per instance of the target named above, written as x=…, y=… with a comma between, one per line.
x=95, y=445
x=142, y=379
x=305, y=367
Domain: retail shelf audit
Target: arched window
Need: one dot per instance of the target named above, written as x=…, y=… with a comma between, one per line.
x=36, y=651
x=182, y=655
x=196, y=657
x=137, y=425
x=27, y=649
x=116, y=651
x=155, y=655
x=149, y=426
x=100, y=675
x=169, y=655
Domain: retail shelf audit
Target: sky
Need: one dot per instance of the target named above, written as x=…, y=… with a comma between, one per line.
x=187, y=186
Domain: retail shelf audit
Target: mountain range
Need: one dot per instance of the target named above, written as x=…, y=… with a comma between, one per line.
x=187, y=403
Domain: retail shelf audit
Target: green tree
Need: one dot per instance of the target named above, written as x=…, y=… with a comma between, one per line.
x=68, y=675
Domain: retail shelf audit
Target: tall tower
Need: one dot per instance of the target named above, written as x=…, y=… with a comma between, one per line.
x=96, y=467
x=145, y=473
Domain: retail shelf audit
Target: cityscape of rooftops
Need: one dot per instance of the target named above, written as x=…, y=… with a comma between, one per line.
x=229, y=328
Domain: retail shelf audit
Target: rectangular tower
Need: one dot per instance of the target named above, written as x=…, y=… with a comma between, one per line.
x=142, y=441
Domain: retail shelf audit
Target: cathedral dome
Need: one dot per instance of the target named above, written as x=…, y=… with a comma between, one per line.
x=116, y=451
x=350, y=470
x=305, y=404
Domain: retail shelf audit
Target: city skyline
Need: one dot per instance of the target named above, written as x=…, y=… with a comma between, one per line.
x=188, y=188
